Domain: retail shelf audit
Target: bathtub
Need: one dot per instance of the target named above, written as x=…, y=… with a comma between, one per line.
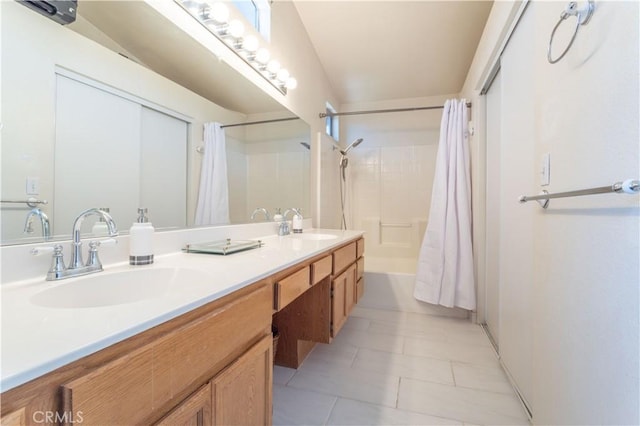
x=389, y=285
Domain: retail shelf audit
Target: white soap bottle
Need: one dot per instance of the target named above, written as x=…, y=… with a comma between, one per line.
x=141, y=240
x=296, y=223
x=100, y=228
x=277, y=217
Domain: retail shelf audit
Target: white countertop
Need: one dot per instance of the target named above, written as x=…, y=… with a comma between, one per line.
x=37, y=339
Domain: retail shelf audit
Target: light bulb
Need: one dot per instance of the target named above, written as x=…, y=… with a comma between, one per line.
x=236, y=29
x=219, y=12
x=262, y=56
x=291, y=83
x=273, y=66
x=250, y=44
x=282, y=75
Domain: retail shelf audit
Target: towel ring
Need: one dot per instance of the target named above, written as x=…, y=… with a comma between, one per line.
x=582, y=18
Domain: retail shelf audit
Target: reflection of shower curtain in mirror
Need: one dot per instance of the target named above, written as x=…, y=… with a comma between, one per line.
x=213, y=194
x=445, y=266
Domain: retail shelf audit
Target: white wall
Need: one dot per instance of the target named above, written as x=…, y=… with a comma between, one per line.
x=327, y=186
x=583, y=253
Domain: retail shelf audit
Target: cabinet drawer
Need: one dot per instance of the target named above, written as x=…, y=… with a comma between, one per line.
x=360, y=267
x=287, y=289
x=139, y=386
x=343, y=257
x=360, y=247
x=320, y=269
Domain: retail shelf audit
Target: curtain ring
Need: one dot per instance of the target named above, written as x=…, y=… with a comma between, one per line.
x=582, y=17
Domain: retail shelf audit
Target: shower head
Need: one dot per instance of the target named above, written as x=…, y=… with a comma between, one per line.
x=306, y=145
x=351, y=145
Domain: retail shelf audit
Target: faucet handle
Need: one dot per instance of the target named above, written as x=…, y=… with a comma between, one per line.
x=93, y=259
x=283, y=229
x=57, y=268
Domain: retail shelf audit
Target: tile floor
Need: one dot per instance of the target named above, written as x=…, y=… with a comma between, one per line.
x=398, y=368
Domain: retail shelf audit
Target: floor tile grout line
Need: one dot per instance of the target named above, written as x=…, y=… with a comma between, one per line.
x=453, y=374
x=340, y=396
x=335, y=402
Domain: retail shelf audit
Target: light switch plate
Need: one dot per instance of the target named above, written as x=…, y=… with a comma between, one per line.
x=33, y=185
x=545, y=170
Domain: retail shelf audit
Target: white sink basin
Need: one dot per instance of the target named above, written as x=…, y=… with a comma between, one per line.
x=115, y=288
x=316, y=237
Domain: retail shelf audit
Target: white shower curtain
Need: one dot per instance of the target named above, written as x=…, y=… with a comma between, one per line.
x=445, y=266
x=213, y=195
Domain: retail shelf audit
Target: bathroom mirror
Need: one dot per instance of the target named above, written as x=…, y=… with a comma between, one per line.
x=268, y=165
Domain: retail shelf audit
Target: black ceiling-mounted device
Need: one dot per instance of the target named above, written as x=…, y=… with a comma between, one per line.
x=61, y=11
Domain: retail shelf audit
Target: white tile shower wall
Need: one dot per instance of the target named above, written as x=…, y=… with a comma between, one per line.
x=392, y=174
x=277, y=176
x=277, y=180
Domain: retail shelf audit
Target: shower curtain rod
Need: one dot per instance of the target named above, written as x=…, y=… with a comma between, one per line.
x=250, y=123
x=376, y=111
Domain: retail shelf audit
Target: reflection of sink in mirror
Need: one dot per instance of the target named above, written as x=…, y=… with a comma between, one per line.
x=315, y=237
x=108, y=289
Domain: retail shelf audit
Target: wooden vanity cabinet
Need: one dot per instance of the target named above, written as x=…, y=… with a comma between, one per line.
x=201, y=368
x=318, y=314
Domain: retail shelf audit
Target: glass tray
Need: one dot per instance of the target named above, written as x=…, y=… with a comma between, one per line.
x=222, y=247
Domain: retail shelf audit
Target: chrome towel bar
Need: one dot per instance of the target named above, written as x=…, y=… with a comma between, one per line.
x=629, y=186
x=31, y=202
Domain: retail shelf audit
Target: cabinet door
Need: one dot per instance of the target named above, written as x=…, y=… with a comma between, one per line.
x=338, y=302
x=350, y=288
x=242, y=392
x=343, y=298
x=194, y=411
x=15, y=418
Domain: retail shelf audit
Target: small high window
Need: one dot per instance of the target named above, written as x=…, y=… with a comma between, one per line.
x=332, y=123
x=258, y=13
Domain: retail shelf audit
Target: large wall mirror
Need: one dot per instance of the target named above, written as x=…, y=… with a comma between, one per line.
x=108, y=112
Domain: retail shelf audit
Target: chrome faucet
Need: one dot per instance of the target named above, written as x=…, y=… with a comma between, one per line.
x=58, y=270
x=76, y=246
x=261, y=210
x=284, y=229
x=291, y=210
x=44, y=221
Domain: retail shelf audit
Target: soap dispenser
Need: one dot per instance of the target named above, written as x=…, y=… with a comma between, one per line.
x=141, y=240
x=100, y=228
x=277, y=217
x=296, y=222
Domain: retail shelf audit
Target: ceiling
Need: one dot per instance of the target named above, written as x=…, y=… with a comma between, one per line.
x=370, y=50
x=381, y=50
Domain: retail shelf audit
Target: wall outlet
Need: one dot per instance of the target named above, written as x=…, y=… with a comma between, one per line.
x=545, y=170
x=33, y=185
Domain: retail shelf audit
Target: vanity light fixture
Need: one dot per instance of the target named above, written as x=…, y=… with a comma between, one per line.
x=215, y=18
